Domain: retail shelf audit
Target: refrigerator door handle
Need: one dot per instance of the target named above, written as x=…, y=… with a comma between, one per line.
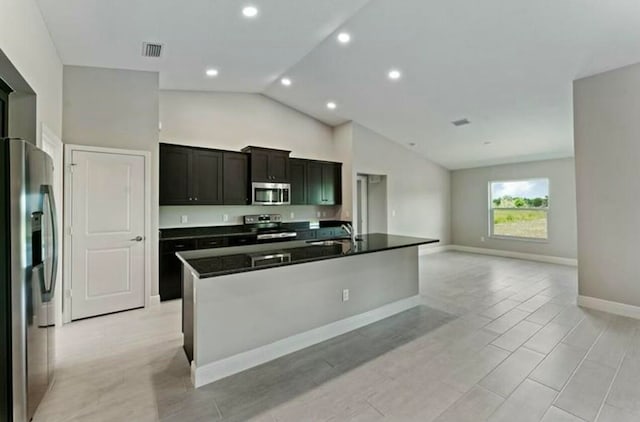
x=47, y=190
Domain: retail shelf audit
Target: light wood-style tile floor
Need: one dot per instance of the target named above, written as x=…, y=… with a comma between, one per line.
x=497, y=340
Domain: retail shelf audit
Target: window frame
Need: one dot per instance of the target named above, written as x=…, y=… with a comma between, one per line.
x=491, y=209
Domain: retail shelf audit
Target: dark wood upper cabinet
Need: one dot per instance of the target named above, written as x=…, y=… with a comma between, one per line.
x=190, y=176
x=324, y=183
x=268, y=165
x=199, y=176
x=175, y=175
x=236, y=178
x=298, y=170
x=206, y=177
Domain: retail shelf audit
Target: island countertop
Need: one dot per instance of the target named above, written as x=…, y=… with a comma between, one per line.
x=222, y=261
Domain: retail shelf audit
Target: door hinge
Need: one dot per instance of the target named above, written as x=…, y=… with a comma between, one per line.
x=70, y=230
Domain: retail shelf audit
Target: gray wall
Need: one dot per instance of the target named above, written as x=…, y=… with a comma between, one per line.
x=470, y=207
x=418, y=190
x=607, y=148
x=115, y=109
x=25, y=40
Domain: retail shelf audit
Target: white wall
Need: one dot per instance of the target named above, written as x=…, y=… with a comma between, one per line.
x=25, y=40
x=607, y=149
x=233, y=121
x=116, y=109
x=418, y=190
x=470, y=207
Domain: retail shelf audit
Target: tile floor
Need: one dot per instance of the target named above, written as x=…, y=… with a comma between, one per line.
x=497, y=339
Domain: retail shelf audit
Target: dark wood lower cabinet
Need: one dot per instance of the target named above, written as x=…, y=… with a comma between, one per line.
x=170, y=267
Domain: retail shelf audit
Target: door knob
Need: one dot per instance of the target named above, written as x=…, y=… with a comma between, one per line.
x=137, y=239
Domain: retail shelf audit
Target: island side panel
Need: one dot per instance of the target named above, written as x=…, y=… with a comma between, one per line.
x=240, y=312
x=187, y=312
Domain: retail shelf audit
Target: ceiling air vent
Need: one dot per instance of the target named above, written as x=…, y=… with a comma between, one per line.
x=461, y=122
x=150, y=49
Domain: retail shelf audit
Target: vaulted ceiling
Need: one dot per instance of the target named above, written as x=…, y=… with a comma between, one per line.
x=506, y=66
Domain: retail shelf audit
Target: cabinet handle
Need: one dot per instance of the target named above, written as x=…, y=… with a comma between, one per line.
x=195, y=199
x=190, y=199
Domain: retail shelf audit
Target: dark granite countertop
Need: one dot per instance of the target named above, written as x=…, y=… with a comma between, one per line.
x=216, y=262
x=235, y=230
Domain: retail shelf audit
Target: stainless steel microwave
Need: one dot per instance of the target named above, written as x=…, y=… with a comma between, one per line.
x=270, y=193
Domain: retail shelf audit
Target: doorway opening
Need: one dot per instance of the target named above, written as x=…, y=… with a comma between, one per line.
x=371, y=203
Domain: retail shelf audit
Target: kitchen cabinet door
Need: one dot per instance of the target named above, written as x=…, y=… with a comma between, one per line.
x=298, y=180
x=175, y=175
x=314, y=183
x=279, y=167
x=236, y=178
x=207, y=177
x=260, y=166
x=332, y=183
x=324, y=183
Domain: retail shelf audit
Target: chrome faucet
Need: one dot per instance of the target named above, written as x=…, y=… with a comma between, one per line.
x=350, y=231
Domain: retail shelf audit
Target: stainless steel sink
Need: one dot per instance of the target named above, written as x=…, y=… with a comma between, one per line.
x=331, y=242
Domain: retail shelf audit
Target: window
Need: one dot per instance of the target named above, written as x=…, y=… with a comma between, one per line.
x=519, y=209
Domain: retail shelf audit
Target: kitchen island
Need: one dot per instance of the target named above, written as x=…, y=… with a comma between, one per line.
x=246, y=305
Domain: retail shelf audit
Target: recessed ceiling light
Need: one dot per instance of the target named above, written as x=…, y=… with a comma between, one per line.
x=412, y=144
x=394, y=74
x=344, y=37
x=285, y=81
x=487, y=142
x=331, y=105
x=212, y=73
x=250, y=11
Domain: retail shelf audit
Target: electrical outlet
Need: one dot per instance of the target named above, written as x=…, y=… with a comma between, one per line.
x=324, y=213
x=225, y=217
x=319, y=214
x=482, y=238
x=393, y=213
x=345, y=295
x=293, y=215
x=184, y=219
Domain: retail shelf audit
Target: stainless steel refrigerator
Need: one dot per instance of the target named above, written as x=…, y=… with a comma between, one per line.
x=28, y=266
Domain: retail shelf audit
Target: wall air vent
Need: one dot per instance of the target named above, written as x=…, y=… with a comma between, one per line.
x=150, y=49
x=461, y=122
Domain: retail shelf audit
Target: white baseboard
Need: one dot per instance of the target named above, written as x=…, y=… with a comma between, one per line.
x=506, y=254
x=154, y=300
x=223, y=368
x=428, y=250
x=616, y=308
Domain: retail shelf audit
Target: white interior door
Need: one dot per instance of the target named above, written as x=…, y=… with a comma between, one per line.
x=107, y=233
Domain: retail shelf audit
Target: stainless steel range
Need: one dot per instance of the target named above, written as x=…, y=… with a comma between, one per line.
x=268, y=228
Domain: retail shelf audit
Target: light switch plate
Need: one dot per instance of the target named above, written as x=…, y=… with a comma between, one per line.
x=225, y=217
x=184, y=219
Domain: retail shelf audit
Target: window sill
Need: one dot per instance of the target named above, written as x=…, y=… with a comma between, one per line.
x=522, y=239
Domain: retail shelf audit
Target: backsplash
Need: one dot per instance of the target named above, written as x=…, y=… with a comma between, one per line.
x=219, y=215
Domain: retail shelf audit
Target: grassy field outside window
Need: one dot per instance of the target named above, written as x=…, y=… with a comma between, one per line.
x=519, y=209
